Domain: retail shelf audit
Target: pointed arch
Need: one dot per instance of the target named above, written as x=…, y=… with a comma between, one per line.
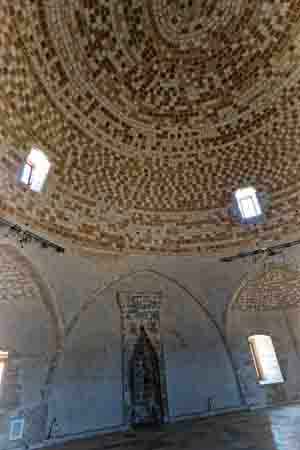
x=199, y=301
x=144, y=380
x=48, y=300
x=47, y=294
x=242, y=284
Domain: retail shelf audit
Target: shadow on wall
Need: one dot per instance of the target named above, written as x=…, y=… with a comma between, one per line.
x=88, y=389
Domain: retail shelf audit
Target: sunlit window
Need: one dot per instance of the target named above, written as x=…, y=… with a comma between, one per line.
x=16, y=428
x=265, y=360
x=3, y=359
x=35, y=170
x=248, y=203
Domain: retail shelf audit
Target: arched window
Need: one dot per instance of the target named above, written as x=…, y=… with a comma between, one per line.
x=265, y=359
x=35, y=170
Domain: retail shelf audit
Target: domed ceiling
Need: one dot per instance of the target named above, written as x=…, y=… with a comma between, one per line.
x=152, y=112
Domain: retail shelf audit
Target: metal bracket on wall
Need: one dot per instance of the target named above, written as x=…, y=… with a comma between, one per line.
x=25, y=236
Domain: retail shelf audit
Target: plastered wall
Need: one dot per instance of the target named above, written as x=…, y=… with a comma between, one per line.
x=65, y=339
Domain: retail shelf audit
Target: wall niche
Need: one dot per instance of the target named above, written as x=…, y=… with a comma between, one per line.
x=144, y=377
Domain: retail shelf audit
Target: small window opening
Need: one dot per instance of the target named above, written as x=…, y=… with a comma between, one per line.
x=27, y=173
x=3, y=360
x=265, y=360
x=16, y=428
x=35, y=170
x=248, y=203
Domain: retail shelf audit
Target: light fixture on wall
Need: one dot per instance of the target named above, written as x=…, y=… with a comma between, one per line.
x=24, y=236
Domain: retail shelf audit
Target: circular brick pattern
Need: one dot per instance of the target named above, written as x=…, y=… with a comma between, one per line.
x=152, y=113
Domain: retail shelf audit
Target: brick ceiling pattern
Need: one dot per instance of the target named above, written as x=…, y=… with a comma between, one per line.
x=152, y=112
x=277, y=288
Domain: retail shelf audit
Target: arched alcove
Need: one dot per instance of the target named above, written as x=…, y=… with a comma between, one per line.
x=267, y=303
x=27, y=326
x=144, y=382
x=29, y=335
x=90, y=376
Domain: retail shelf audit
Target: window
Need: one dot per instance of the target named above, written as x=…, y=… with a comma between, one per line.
x=27, y=173
x=16, y=428
x=3, y=359
x=265, y=360
x=35, y=170
x=248, y=203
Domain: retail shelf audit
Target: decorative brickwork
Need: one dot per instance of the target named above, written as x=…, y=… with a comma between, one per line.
x=277, y=288
x=152, y=112
x=17, y=285
x=144, y=378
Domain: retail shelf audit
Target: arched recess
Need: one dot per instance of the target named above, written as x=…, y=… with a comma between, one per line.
x=22, y=288
x=56, y=320
x=267, y=302
x=47, y=296
x=242, y=285
x=200, y=301
x=31, y=333
x=198, y=364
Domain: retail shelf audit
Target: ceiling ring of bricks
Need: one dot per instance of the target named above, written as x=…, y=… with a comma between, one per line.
x=152, y=113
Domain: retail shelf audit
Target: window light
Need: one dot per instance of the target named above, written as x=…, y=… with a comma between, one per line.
x=3, y=358
x=35, y=170
x=248, y=202
x=265, y=360
x=2, y=365
x=16, y=428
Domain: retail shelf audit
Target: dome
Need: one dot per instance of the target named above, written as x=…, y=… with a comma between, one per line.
x=152, y=113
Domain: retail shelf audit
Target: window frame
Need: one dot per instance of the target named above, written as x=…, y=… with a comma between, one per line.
x=3, y=363
x=33, y=179
x=262, y=379
x=13, y=421
x=25, y=164
x=249, y=193
x=244, y=206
